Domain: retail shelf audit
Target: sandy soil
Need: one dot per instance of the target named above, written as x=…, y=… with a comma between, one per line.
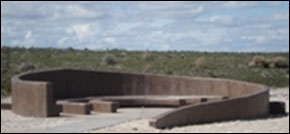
x=13, y=123
x=268, y=125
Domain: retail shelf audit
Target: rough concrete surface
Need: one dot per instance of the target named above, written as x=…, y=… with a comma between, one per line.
x=69, y=123
x=267, y=125
x=13, y=123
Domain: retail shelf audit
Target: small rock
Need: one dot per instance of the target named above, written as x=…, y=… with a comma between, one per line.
x=259, y=61
x=279, y=62
x=135, y=129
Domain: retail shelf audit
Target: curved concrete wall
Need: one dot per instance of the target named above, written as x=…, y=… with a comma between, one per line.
x=35, y=94
x=253, y=106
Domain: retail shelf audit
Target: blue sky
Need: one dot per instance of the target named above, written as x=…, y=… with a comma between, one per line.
x=199, y=26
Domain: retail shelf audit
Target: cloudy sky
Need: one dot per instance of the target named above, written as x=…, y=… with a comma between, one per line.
x=199, y=26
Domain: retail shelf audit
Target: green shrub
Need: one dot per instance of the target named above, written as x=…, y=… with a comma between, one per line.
x=23, y=67
x=225, y=65
x=109, y=60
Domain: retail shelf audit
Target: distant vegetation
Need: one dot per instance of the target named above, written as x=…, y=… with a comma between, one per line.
x=204, y=64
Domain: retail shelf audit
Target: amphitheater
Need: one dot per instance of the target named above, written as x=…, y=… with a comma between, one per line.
x=196, y=100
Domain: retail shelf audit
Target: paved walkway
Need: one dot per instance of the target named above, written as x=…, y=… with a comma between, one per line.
x=103, y=120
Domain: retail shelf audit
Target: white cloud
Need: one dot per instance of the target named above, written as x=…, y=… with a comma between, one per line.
x=174, y=9
x=21, y=10
x=80, y=12
x=123, y=27
x=28, y=35
x=80, y=31
x=256, y=38
x=239, y=4
x=199, y=9
x=217, y=19
x=165, y=47
x=276, y=4
x=29, y=40
x=73, y=12
x=251, y=4
x=284, y=16
x=110, y=40
x=183, y=25
x=268, y=35
x=62, y=41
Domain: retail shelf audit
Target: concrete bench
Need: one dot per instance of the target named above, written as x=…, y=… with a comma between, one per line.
x=76, y=108
x=110, y=104
x=104, y=106
x=159, y=101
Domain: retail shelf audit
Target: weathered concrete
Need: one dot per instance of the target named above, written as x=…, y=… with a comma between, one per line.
x=239, y=108
x=36, y=94
x=77, y=108
x=101, y=120
x=111, y=103
x=104, y=106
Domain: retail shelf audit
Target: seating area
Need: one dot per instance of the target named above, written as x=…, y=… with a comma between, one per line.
x=110, y=104
x=196, y=100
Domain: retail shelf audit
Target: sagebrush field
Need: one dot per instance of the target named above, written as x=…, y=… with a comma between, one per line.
x=204, y=64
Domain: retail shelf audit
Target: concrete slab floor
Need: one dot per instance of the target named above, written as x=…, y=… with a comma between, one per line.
x=101, y=120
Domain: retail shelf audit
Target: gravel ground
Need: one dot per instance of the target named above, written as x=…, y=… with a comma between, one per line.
x=13, y=123
x=268, y=125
